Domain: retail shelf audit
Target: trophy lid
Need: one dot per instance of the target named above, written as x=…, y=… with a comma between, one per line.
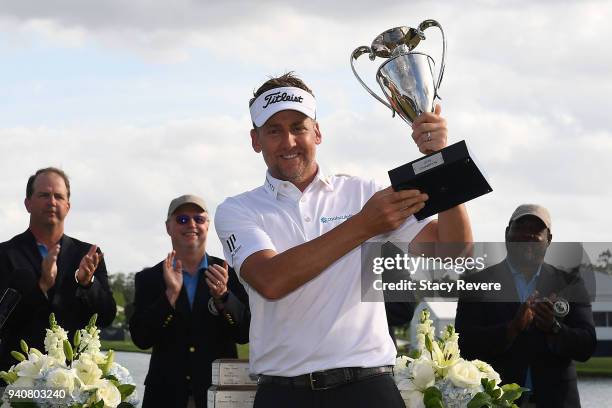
x=385, y=43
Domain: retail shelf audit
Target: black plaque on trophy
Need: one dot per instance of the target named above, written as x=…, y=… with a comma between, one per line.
x=449, y=177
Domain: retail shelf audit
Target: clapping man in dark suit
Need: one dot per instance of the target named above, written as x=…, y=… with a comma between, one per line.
x=51, y=271
x=539, y=324
x=190, y=308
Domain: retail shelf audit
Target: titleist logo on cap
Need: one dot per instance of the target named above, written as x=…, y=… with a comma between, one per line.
x=281, y=97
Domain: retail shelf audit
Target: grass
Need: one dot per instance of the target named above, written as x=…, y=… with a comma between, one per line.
x=122, y=345
x=243, y=351
x=596, y=366
x=127, y=345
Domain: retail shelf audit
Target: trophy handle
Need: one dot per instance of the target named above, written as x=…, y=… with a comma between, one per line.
x=359, y=51
x=422, y=27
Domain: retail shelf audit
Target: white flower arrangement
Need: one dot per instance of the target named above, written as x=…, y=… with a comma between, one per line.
x=436, y=376
x=76, y=375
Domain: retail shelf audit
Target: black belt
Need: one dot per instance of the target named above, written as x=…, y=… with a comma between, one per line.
x=323, y=380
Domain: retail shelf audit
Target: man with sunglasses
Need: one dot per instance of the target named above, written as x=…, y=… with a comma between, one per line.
x=295, y=243
x=51, y=271
x=190, y=308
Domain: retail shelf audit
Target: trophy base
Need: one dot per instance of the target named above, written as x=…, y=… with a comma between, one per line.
x=449, y=177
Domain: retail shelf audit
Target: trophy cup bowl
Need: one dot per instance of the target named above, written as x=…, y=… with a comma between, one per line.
x=407, y=82
x=450, y=176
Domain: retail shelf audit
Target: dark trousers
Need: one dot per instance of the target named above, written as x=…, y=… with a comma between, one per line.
x=375, y=392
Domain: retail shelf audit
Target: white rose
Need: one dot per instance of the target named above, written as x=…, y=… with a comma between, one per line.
x=487, y=371
x=108, y=393
x=413, y=399
x=423, y=374
x=62, y=378
x=464, y=374
x=87, y=370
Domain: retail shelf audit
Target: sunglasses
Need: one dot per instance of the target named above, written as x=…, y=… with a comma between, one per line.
x=184, y=219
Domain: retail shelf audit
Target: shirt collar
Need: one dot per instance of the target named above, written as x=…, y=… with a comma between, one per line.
x=203, y=264
x=274, y=186
x=516, y=273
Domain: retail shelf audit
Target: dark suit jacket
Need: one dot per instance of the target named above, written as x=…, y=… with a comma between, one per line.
x=482, y=334
x=73, y=305
x=185, y=341
x=399, y=314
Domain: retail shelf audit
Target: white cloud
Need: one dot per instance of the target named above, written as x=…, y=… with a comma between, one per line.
x=526, y=85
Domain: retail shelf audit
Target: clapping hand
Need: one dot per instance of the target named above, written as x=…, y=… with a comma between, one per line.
x=49, y=269
x=543, y=313
x=173, y=277
x=216, y=279
x=89, y=264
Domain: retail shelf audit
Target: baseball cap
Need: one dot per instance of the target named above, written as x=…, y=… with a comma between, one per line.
x=186, y=199
x=532, y=209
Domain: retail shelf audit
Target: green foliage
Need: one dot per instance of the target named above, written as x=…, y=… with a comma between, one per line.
x=414, y=353
x=24, y=404
x=52, y=321
x=24, y=346
x=482, y=399
x=99, y=404
x=110, y=357
x=428, y=344
x=126, y=390
x=18, y=356
x=76, y=339
x=432, y=398
x=68, y=351
x=92, y=321
x=9, y=378
x=492, y=397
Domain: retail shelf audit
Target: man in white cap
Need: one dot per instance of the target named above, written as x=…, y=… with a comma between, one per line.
x=295, y=243
x=540, y=322
x=190, y=308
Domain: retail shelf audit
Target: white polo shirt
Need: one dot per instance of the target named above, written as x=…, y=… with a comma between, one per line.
x=323, y=324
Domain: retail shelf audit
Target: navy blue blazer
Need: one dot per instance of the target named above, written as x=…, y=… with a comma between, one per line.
x=73, y=305
x=482, y=331
x=185, y=340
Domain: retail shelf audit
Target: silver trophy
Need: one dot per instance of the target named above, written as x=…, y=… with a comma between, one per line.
x=450, y=176
x=406, y=77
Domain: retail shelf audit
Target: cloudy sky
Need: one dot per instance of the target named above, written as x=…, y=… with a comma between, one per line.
x=141, y=101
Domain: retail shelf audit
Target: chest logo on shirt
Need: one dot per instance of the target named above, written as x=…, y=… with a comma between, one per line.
x=325, y=220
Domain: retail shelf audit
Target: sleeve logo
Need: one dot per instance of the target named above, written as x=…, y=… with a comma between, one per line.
x=231, y=243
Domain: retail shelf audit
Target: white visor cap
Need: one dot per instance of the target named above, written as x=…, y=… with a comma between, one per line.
x=278, y=99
